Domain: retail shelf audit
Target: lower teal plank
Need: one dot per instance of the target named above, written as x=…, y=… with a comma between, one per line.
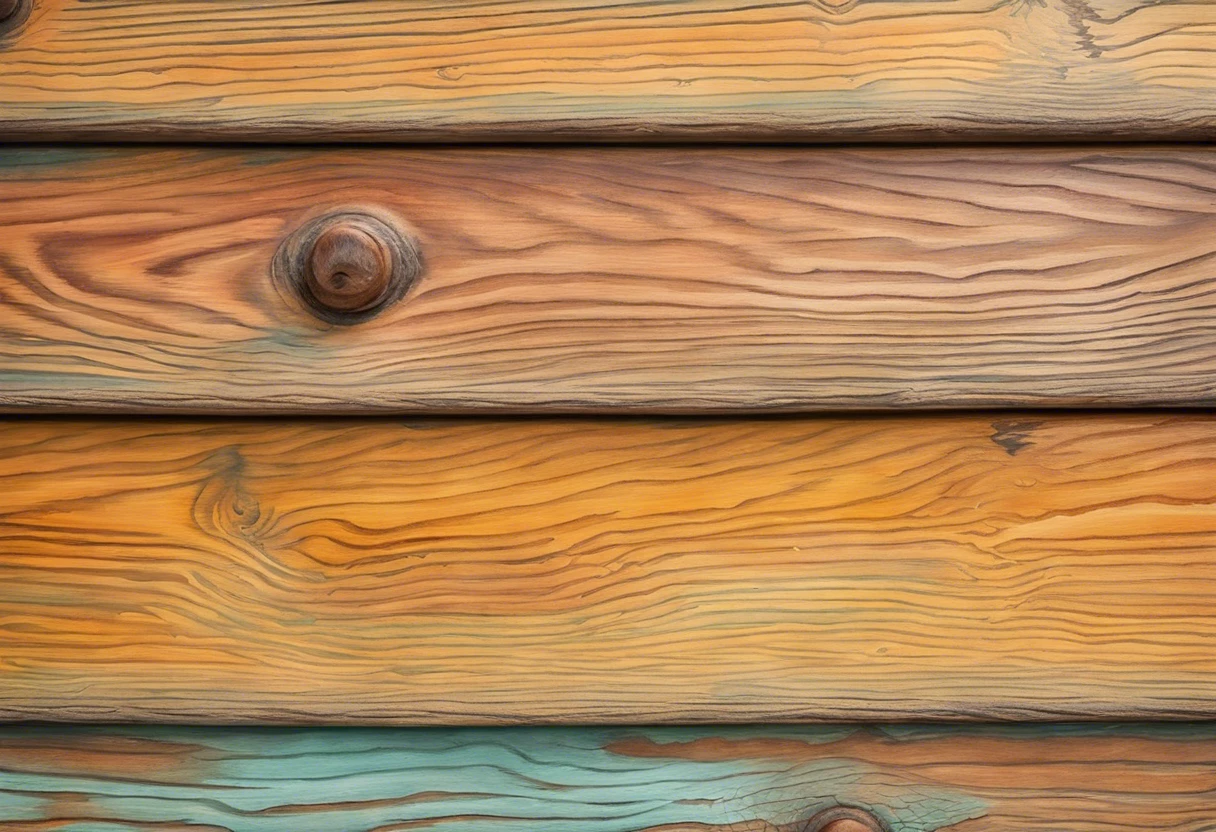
x=915, y=779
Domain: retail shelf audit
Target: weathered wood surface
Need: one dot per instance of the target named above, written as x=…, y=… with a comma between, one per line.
x=1126, y=778
x=620, y=69
x=599, y=279
x=587, y=571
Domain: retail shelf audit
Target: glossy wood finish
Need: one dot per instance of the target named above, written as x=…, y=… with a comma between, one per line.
x=619, y=69
x=1126, y=778
x=581, y=571
x=608, y=279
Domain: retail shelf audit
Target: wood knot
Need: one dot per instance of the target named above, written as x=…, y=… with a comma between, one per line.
x=835, y=6
x=347, y=266
x=12, y=14
x=350, y=268
x=844, y=819
x=1014, y=436
x=223, y=509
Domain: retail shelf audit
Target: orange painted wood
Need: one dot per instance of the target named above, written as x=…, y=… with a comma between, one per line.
x=763, y=778
x=598, y=280
x=617, y=69
x=953, y=567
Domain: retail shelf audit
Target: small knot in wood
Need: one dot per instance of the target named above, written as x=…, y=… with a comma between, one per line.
x=347, y=266
x=844, y=819
x=12, y=14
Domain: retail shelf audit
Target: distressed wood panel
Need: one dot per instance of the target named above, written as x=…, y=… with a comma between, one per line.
x=602, y=279
x=628, y=571
x=621, y=69
x=1125, y=778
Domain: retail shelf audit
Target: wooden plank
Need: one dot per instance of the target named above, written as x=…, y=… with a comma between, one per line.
x=608, y=279
x=619, y=69
x=587, y=571
x=1124, y=778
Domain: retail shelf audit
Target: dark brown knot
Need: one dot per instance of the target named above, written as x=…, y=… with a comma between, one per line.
x=12, y=14
x=347, y=266
x=844, y=819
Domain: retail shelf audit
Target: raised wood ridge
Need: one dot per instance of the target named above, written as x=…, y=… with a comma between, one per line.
x=1032, y=567
x=614, y=69
x=604, y=279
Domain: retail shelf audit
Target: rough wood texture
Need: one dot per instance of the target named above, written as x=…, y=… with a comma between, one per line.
x=1128, y=778
x=658, y=280
x=584, y=571
x=622, y=69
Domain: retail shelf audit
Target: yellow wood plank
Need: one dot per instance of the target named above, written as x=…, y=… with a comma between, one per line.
x=587, y=571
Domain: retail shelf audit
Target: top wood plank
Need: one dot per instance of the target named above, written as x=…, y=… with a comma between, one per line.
x=622, y=69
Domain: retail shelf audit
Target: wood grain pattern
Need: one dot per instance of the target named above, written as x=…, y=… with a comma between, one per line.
x=618, y=69
x=1127, y=778
x=587, y=571
x=608, y=279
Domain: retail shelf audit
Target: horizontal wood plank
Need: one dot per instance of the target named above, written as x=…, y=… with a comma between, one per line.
x=1125, y=778
x=614, y=69
x=607, y=279
x=595, y=571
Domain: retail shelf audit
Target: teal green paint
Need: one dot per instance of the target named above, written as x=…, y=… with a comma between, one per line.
x=536, y=779
x=16, y=160
x=540, y=780
x=255, y=158
x=494, y=780
x=67, y=381
x=15, y=806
